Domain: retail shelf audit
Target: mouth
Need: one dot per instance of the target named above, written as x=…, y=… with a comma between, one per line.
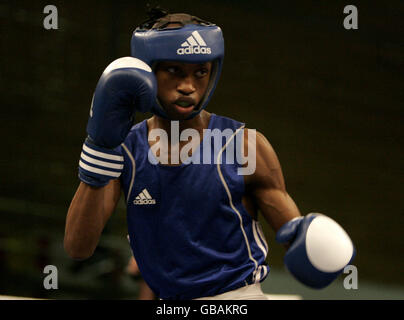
x=185, y=102
x=184, y=105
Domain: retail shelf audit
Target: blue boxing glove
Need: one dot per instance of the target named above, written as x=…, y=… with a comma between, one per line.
x=319, y=249
x=126, y=85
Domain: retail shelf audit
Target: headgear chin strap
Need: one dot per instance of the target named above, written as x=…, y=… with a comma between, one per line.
x=189, y=43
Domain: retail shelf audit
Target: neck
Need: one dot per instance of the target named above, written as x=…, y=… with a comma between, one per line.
x=199, y=122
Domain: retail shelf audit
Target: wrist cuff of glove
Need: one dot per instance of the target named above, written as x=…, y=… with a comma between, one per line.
x=97, y=165
x=288, y=231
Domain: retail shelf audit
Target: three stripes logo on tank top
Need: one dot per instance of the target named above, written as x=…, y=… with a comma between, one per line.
x=194, y=45
x=144, y=197
x=95, y=160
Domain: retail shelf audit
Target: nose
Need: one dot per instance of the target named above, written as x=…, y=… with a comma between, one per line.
x=186, y=86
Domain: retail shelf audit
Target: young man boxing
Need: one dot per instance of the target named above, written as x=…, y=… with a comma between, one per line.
x=192, y=220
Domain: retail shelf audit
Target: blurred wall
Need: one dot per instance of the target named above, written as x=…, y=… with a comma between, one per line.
x=329, y=100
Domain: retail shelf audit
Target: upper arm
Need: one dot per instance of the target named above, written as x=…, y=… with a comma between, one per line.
x=267, y=186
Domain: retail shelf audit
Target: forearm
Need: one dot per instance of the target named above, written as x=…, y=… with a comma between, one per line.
x=125, y=82
x=85, y=221
x=277, y=207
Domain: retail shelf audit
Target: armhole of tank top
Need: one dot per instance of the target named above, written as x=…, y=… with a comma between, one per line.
x=132, y=160
x=222, y=175
x=233, y=207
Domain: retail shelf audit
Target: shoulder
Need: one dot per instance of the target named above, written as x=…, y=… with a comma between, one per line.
x=255, y=140
x=260, y=150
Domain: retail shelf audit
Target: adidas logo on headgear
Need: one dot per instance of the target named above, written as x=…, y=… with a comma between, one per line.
x=194, y=45
x=144, y=198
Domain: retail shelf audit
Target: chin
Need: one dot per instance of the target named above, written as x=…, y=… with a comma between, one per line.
x=174, y=115
x=178, y=117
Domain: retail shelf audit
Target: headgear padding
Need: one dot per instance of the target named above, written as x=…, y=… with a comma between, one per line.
x=189, y=43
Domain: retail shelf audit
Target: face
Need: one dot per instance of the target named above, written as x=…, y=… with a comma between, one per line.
x=181, y=86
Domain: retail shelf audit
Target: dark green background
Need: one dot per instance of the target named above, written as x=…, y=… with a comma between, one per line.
x=329, y=100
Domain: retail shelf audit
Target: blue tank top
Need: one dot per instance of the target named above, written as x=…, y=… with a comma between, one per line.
x=188, y=229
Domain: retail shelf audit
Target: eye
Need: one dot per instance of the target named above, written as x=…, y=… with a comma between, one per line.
x=172, y=69
x=201, y=72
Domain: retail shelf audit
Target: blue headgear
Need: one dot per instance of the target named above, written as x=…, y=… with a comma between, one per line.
x=191, y=43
